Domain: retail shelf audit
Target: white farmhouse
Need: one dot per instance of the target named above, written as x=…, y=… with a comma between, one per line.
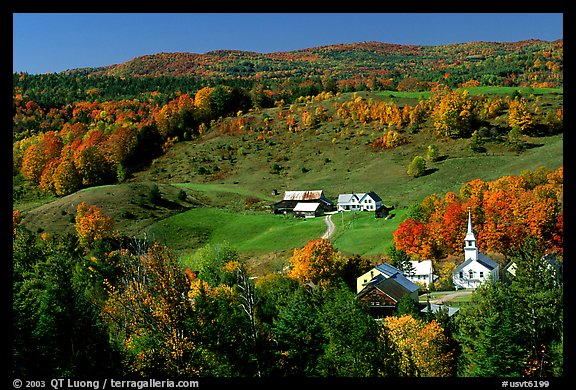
x=477, y=267
x=368, y=201
x=422, y=272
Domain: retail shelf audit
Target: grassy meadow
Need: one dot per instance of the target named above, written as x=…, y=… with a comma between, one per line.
x=361, y=233
x=251, y=233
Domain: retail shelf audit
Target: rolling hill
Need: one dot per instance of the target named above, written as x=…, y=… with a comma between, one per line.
x=492, y=62
x=230, y=180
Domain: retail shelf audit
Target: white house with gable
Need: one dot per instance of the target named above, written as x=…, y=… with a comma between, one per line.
x=368, y=201
x=477, y=267
x=422, y=272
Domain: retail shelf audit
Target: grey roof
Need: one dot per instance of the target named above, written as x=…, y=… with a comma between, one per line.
x=387, y=269
x=487, y=262
x=394, y=273
x=374, y=196
x=347, y=198
x=434, y=308
x=389, y=286
x=461, y=266
x=307, y=206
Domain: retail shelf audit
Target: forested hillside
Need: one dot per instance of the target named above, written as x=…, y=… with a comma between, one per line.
x=142, y=200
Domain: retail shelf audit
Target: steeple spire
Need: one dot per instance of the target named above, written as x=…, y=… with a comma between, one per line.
x=470, y=250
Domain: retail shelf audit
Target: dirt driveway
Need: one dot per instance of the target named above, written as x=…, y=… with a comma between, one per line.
x=330, y=227
x=451, y=296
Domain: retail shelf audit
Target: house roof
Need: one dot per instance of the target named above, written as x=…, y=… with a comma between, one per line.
x=484, y=260
x=394, y=273
x=434, y=308
x=307, y=206
x=373, y=195
x=422, y=267
x=347, y=198
x=387, y=269
x=389, y=286
x=404, y=282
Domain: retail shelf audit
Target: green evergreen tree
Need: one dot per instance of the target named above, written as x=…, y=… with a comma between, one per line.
x=539, y=298
x=56, y=325
x=492, y=342
x=351, y=349
x=299, y=336
x=407, y=305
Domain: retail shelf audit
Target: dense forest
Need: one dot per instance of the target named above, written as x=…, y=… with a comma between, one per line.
x=137, y=309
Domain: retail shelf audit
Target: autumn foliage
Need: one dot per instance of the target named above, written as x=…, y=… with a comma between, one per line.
x=92, y=225
x=315, y=262
x=423, y=348
x=504, y=212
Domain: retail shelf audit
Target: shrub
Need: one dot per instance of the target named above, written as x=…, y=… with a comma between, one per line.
x=182, y=195
x=417, y=167
x=432, y=154
x=154, y=194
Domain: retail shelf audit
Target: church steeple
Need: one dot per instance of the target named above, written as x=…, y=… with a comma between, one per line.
x=470, y=249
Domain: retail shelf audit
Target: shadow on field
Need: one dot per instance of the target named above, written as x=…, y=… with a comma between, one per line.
x=429, y=171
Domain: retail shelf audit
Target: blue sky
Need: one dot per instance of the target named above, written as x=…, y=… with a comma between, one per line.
x=54, y=42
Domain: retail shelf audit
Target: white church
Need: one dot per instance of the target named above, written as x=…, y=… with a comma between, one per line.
x=477, y=267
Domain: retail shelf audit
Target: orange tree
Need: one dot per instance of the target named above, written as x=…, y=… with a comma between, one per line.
x=316, y=262
x=91, y=225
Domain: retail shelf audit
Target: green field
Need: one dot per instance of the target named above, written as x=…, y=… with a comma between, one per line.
x=363, y=234
x=482, y=90
x=250, y=233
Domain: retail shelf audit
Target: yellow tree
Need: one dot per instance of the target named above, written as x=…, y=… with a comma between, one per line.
x=203, y=104
x=453, y=113
x=423, y=348
x=519, y=114
x=66, y=178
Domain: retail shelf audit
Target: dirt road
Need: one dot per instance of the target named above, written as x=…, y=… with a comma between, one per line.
x=330, y=227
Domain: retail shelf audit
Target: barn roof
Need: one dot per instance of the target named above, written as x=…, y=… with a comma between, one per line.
x=389, y=286
x=307, y=206
x=303, y=195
